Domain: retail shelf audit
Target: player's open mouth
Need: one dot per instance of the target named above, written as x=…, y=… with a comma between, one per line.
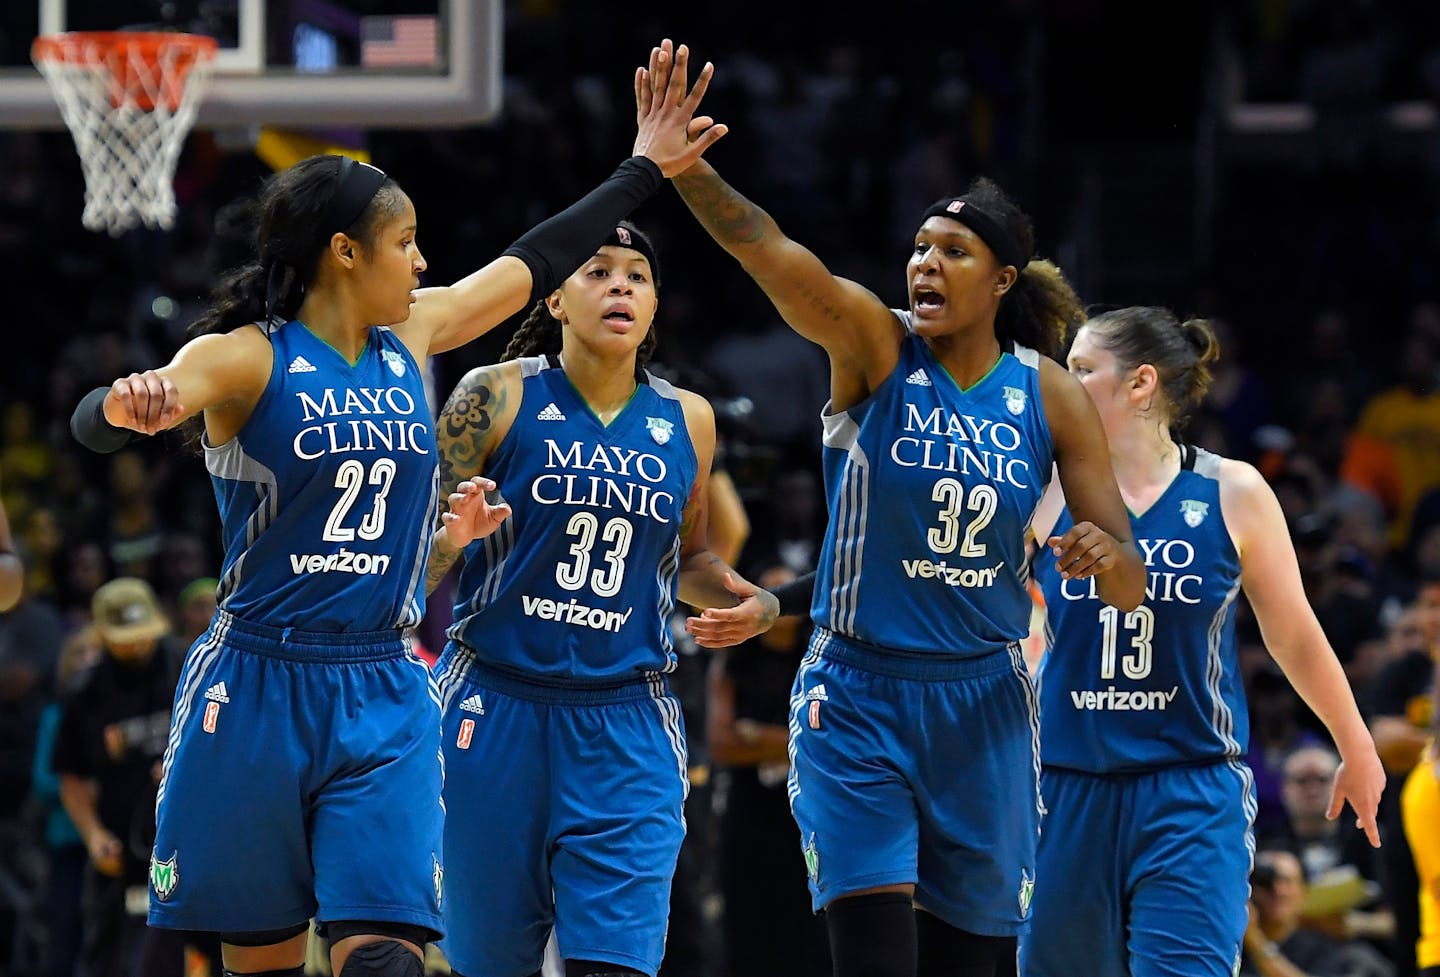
x=927, y=300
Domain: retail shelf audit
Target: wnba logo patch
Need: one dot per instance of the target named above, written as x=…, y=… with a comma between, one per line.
x=816, y=696
x=467, y=733
x=215, y=695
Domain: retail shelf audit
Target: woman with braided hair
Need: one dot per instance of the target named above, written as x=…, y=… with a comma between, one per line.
x=302, y=777
x=553, y=683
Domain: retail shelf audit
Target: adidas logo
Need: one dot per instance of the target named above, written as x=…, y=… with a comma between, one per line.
x=817, y=694
x=217, y=692
x=550, y=413
x=919, y=378
x=300, y=365
x=473, y=704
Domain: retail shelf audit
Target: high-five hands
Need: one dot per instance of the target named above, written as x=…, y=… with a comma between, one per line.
x=667, y=129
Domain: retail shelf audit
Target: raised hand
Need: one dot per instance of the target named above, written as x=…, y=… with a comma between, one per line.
x=1084, y=551
x=145, y=402
x=667, y=129
x=469, y=515
x=721, y=627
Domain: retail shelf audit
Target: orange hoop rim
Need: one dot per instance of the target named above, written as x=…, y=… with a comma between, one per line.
x=75, y=47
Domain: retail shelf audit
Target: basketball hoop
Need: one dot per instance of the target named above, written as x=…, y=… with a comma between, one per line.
x=128, y=98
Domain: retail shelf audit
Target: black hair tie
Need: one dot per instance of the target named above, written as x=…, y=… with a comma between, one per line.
x=275, y=281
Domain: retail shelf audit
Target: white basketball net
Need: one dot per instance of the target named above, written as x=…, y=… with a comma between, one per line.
x=128, y=135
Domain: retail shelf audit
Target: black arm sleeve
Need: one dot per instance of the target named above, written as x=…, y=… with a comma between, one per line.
x=795, y=596
x=555, y=247
x=90, y=428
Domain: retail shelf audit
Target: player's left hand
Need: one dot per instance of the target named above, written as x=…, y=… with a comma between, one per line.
x=721, y=627
x=667, y=129
x=470, y=515
x=1084, y=551
x=1359, y=780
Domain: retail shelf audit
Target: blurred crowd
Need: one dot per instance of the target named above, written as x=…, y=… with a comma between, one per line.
x=1329, y=381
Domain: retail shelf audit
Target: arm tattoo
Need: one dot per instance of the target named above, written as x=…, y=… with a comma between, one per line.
x=694, y=508
x=725, y=213
x=466, y=425
x=441, y=560
x=464, y=439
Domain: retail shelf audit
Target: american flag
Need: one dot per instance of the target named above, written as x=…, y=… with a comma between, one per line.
x=407, y=42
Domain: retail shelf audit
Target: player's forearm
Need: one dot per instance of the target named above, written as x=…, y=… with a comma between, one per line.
x=746, y=743
x=702, y=580
x=1314, y=671
x=737, y=225
x=1123, y=586
x=12, y=580
x=443, y=555
x=78, y=796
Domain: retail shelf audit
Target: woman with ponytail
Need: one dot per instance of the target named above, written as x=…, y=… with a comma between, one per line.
x=303, y=776
x=553, y=683
x=913, y=722
x=1145, y=859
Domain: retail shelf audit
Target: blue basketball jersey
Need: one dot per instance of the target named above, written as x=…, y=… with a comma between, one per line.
x=578, y=584
x=328, y=492
x=1159, y=685
x=930, y=490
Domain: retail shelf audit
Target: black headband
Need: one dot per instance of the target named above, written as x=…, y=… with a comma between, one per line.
x=993, y=232
x=355, y=186
x=627, y=235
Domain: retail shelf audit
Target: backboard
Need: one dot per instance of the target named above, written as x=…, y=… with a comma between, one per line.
x=361, y=63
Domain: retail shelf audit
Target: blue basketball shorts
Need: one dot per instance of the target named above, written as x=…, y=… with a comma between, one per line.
x=1143, y=874
x=302, y=779
x=564, y=811
x=907, y=769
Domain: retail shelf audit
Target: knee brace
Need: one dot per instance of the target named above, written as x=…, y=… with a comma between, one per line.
x=383, y=958
x=593, y=968
x=264, y=937
x=872, y=935
x=947, y=951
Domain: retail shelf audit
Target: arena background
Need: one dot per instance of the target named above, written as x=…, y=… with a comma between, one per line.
x=1272, y=164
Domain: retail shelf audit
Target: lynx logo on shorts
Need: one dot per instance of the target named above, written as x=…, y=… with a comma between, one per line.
x=1194, y=512
x=438, y=877
x=1014, y=400
x=164, y=876
x=394, y=361
x=467, y=733
x=659, y=429
x=1027, y=892
x=812, y=859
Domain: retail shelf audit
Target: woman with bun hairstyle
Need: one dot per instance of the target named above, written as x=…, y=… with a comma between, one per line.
x=1144, y=861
